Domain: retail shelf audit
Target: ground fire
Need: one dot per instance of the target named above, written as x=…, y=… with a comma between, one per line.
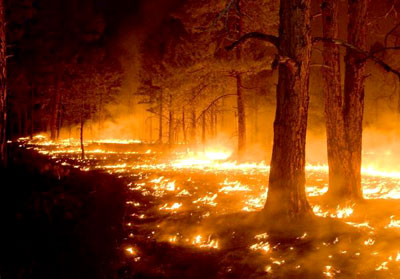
x=200, y=139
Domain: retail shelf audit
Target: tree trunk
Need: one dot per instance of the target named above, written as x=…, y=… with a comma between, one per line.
x=170, y=122
x=193, y=125
x=55, y=109
x=184, y=126
x=286, y=199
x=353, y=110
x=241, y=116
x=203, y=130
x=160, y=120
x=3, y=89
x=81, y=138
x=337, y=156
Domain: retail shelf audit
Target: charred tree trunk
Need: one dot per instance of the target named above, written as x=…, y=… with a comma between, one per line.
x=353, y=110
x=170, y=122
x=3, y=88
x=241, y=116
x=81, y=139
x=336, y=145
x=184, y=126
x=286, y=199
x=193, y=125
x=203, y=130
x=55, y=109
x=215, y=121
x=160, y=120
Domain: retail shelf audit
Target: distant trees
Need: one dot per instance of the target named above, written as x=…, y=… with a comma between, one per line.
x=57, y=49
x=187, y=75
x=92, y=82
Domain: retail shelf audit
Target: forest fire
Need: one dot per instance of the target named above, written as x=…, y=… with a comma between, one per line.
x=171, y=181
x=200, y=139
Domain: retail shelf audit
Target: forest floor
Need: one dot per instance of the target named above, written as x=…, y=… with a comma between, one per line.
x=133, y=211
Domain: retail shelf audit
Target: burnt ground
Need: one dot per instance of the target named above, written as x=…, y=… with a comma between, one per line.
x=57, y=222
x=60, y=222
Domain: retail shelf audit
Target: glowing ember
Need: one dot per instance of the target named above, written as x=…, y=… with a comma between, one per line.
x=393, y=223
x=130, y=251
x=261, y=246
x=234, y=186
x=209, y=243
x=173, y=207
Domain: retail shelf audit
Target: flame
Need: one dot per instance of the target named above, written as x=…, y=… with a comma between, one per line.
x=173, y=207
x=234, y=186
x=209, y=243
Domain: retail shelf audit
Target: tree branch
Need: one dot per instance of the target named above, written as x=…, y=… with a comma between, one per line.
x=255, y=35
x=367, y=55
x=390, y=32
x=211, y=104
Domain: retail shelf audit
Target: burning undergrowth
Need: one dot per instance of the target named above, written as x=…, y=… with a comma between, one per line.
x=195, y=215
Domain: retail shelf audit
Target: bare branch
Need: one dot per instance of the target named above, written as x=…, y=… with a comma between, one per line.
x=255, y=35
x=390, y=32
x=366, y=54
x=384, y=49
x=211, y=104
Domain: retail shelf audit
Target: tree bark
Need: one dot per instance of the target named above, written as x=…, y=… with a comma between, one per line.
x=241, y=116
x=81, y=139
x=170, y=122
x=3, y=88
x=160, y=120
x=55, y=109
x=353, y=110
x=337, y=157
x=193, y=129
x=286, y=199
x=203, y=130
x=184, y=126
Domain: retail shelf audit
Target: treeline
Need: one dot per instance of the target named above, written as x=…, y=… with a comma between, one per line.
x=61, y=71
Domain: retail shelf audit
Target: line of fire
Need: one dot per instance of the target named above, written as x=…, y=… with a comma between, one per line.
x=184, y=139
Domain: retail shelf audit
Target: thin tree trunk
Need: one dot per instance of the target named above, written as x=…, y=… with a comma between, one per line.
x=353, y=111
x=215, y=121
x=286, y=193
x=170, y=122
x=241, y=116
x=184, y=126
x=212, y=109
x=160, y=120
x=3, y=88
x=193, y=125
x=55, y=109
x=203, y=130
x=81, y=139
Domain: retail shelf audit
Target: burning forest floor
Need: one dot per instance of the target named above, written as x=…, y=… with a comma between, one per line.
x=193, y=216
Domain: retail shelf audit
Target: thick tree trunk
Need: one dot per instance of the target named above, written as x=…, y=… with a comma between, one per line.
x=286, y=193
x=3, y=88
x=241, y=116
x=353, y=110
x=336, y=145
